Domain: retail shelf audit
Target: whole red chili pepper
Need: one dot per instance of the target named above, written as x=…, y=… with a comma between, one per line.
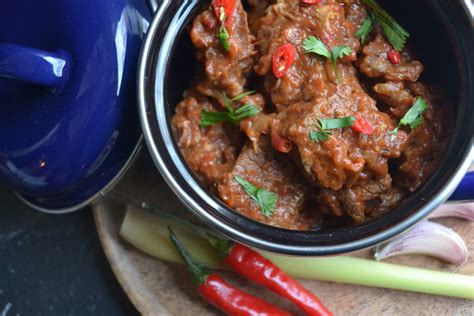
x=260, y=270
x=224, y=10
x=394, y=56
x=221, y=294
x=283, y=59
x=361, y=125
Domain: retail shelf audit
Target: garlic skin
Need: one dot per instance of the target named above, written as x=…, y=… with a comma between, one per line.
x=459, y=210
x=426, y=238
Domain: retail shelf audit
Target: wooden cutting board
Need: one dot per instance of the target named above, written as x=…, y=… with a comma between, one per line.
x=159, y=288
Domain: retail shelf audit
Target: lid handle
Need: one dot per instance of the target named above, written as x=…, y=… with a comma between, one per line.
x=33, y=65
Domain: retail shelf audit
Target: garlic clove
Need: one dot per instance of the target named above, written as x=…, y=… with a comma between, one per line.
x=460, y=210
x=426, y=238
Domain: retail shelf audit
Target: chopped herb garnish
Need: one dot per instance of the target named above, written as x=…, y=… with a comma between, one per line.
x=266, y=200
x=320, y=136
x=211, y=118
x=414, y=116
x=242, y=95
x=246, y=111
x=347, y=121
x=325, y=125
x=365, y=28
x=231, y=115
x=224, y=35
x=395, y=34
x=339, y=52
x=314, y=45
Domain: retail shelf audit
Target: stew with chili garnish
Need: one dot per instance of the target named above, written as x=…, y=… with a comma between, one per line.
x=308, y=113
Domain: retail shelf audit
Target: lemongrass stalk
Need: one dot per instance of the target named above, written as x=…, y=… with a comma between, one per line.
x=148, y=232
x=343, y=269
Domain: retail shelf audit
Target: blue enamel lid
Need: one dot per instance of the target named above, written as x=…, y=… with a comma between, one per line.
x=68, y=121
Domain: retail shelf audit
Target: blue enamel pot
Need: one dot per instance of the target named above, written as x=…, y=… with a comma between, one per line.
x=166, y=70
x=68, y=122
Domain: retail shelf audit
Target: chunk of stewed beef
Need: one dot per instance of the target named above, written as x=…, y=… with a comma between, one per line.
x=224, y=71
x=376, y=64
x=310, y=76
x=396, y=96
x=210, y=151
x=264, y=169
x=338, y=162
x=366, y=195
x=426, y=142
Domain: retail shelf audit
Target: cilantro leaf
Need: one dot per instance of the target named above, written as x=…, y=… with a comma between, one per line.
x=314, y=45
x=320, y=136
x=325, y=125
x=395, y=34
x=231, y=116
x=249, y=188
x=365, y=28
x=265, y=200
x=339, y=52
x=414, y=116
x=347, y=121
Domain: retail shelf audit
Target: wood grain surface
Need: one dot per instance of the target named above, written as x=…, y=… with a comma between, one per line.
x=159, y=288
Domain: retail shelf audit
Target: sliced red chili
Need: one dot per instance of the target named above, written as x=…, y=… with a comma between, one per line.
x=394, y=56
x=283, y=59
x=224, y=9
x=281, y=144
x=310, y=1
x=362, y=126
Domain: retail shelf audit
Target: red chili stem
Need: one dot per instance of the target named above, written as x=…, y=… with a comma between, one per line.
x=198, y=272
x=221, y=294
